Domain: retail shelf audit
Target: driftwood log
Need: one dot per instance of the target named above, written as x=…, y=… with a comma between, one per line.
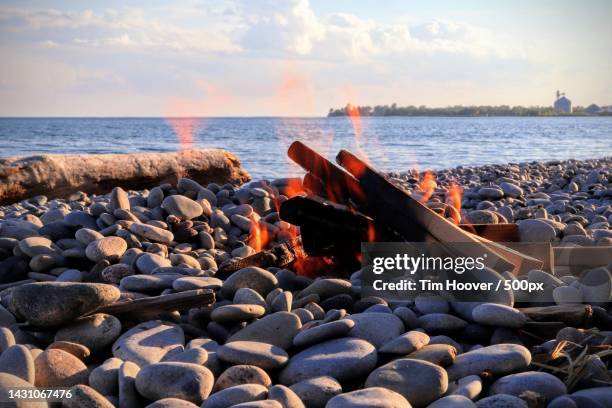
x=61, y=175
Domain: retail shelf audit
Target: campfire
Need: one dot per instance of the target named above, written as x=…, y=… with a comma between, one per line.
x=337, y=207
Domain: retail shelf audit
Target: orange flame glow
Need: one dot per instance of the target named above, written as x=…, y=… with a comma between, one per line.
x=427, y=185
x=259, y=237
x=453, y=199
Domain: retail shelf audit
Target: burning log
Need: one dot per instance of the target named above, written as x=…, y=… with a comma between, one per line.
x=398, y=210
x=338, y=185
x=279, y=256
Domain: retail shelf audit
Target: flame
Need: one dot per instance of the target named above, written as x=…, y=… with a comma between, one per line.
x=312, y=266
x=259, y=237
x=427, y=184
x=453, y=199
x=371, y=232
x=294, y=188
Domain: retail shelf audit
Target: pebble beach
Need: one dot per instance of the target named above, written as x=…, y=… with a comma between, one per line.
x=276, y=339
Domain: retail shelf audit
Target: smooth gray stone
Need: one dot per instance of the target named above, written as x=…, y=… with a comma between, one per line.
x=420, y=382
x=236, y=395
x=372, y=397
x=343, y=359
x=186, y=381
x=500, y=359
x=149, y=342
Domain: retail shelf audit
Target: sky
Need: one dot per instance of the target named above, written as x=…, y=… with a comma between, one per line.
x=297, y=57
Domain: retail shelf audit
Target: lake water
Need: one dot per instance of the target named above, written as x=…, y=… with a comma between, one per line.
x=394, y=143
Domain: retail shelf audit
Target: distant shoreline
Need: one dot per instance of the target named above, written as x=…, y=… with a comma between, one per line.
x=463, y=111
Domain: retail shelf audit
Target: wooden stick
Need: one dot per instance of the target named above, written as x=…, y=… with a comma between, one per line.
x=493, y=232
x=340, y=186
x=523, y=263
x=574, y=315
x=398, y=210
x=174, y=301
x=280, y=256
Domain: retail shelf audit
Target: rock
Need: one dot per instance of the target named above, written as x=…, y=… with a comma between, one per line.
x=535, y=231
x=376, y=328
x=511, y=190
x=119, y=199
x=431, y=304
x=542, y=383
x=104, y=378
x=567, y=295
x=147, y=283
x=51, y=304
x=182, y=207
x=57, y=368
x=596, y=285
x=236, y=313
x=114, y=273
x=80, y=219
x=373, y=397
x=196, y=282
x=326, y=288
x=7, y=339
x=108, y=248
x=469, y=387
x=440, y=354
x=481, y=217
x=326, y=331
x=83, y=396
x=343, y=359
x=316, y=392
x=259, y=404
x=258, y=279
x=17, y=360
x=152, y=233
x=149, y=342
x=420, y=382
x=502, y=401
x=242, y=374
x=282, y=302
x=78, y=350
x=147, y=263
x=10, y=382
x=564, y=402
x=494, y=314
x=277, y=328
x=409, y=318
x=128, y=396
x=33, y=246
x=602, y=395
x=186, y=381
x=440, y=322
x=262, y=355
x=236, y=395
x=197, y=356
x=499, y=359
x=70, y=275
x=172, y=403
x=452, y=401
x=285, y=396
x=491, y=193
x=405, y=343
x=97, y=331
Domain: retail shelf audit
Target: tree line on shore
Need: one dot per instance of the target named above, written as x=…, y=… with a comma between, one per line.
x=485, y=110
